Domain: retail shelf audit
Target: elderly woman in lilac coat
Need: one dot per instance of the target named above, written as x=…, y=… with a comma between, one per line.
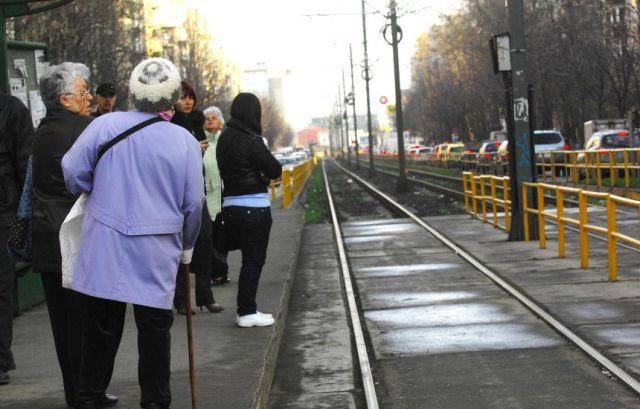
x=142, y=219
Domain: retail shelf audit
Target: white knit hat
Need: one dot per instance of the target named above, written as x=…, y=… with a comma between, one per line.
x=155, y=85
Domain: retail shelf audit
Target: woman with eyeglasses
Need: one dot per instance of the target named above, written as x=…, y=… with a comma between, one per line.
x=65, y=93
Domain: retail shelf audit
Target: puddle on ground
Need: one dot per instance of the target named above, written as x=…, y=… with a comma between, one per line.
x=365, y=239
x=594, y=311
x=392, y=271
x=381, y=229
x=440, y=314
x=465, y=338
x=619, y=336
x=421, y=298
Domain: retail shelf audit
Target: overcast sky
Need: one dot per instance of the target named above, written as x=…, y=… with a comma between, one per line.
x=315, y=48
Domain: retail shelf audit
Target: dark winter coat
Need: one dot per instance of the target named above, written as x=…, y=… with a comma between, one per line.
x=202, y=259
x=16, y=139
x=246, y=164
x=51, y=201
x=192, y=122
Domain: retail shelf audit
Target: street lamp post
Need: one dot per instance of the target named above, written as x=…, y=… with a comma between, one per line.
x=352, y=101
x=367, y=79
x=345, y=117
x=396, y=37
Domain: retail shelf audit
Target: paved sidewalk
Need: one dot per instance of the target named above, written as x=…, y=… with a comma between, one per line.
x=234, y=366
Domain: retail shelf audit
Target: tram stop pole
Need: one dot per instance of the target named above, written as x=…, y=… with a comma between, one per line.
x=525, y=168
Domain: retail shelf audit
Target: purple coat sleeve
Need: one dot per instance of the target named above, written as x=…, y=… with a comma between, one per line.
x=193, y=200
x=79, y=162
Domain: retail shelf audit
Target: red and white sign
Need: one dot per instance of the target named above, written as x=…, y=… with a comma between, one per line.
x=383, y=100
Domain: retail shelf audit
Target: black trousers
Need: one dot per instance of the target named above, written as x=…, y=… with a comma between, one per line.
x=204, y=293
x=220, y=268
x=7, y=285
x=201, y=265
x=64, y=308
x=103, y=321
x=247, y=229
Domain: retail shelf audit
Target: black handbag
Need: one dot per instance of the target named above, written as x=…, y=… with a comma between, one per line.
x=19, y=237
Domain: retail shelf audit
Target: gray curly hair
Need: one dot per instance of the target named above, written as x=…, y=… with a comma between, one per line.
x=215, y=111
x=59, y=80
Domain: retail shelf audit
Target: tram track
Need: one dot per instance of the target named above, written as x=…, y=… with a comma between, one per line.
x=458, y=194
x=512, y=290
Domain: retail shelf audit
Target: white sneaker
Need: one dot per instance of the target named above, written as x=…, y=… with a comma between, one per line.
x=255, y=320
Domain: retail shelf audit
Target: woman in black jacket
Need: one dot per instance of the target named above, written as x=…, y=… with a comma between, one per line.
x=65, y=92
x=192, y=120
x=246, y=167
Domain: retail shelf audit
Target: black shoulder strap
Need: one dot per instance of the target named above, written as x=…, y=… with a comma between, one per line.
x=104, y=148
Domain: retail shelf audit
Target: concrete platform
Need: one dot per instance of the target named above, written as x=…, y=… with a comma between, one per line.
x=315, y=366
x=234, y=366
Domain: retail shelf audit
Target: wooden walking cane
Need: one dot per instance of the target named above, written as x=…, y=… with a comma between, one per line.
x=192, y=366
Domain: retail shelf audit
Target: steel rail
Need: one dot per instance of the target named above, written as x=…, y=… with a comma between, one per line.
x=361, y=346
x=529, y=303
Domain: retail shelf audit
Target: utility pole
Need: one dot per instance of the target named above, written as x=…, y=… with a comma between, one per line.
x=339, y=123
x=352, y=100
x=346, y=118
x=332, y=134
x=520, y=107
x=367, y=79
x=395, y=32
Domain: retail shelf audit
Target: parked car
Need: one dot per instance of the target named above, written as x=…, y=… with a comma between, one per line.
x=611, y=139
x=287, y=162
x=424, y=152
x=549, y=141
x=488, y=150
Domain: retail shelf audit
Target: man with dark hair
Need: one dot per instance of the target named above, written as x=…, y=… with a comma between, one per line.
x=105, y=98
x=16, y=138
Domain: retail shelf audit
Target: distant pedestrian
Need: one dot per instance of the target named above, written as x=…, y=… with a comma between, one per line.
x=247, y=166
x=192, y=120
x=214, y=121
x=187, y=115
x=16, y=139
x=65, y=93
x=142, y=218
x=106, y=97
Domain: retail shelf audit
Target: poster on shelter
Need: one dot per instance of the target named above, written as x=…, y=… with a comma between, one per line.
x=20, y=64
x=38, y=110
x=18, y=87
x=41, y=64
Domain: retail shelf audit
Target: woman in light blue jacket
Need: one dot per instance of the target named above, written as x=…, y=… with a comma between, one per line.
x=142, y=219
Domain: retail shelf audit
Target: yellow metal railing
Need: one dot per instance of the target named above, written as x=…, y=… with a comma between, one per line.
x=294, y=179
x=582, y=222
x=496, y=194
x=572, y=167
x=592, y=166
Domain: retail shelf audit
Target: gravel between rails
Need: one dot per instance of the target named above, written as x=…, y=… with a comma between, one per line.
x=419, y=200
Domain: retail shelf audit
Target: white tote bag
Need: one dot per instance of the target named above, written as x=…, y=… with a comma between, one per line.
x=70, y=234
